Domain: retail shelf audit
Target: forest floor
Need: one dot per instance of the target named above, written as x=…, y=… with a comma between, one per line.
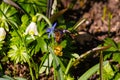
x=102, y=20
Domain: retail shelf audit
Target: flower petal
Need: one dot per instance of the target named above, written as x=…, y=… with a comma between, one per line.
x=53, y=27
x=32, y=29
x=2, y=34
x=51, y=30
x=48, y=30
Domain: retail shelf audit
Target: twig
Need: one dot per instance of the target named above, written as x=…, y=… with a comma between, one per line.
x=101, y=65
x=86, y=54
x=49, y=7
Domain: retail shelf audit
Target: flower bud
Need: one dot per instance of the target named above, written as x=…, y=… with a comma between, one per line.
x=34, y=19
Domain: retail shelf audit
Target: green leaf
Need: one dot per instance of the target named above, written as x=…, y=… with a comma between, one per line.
x=42, y=62
x=117, y=76
x=37, y=6
x=24, y=19
x=1, y=44
x=63, y=43
x=57, y=66
x=36, y=69
x=0, y=68
x=116, y=57
x=107, y=72
x=107, y=54
x=18, y=54
x=91, y=71
x=5, y=77
x=75, y=55
x=62, y=65
x=68, y=66
x=41, y=28
x=47, y=64
x=41, y=44
x=29, y=9
x=118, y=45
x=4, y=59
x=111, y=42
x=19, y=78
x=8, y=15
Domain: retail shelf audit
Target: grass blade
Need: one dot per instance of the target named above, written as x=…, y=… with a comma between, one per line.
x=57, y=66
x=91, y=71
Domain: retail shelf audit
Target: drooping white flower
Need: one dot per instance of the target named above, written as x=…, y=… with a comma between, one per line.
x=32, y=29
x=2, y=34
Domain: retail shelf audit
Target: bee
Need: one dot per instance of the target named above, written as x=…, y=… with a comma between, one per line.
x=59, y=34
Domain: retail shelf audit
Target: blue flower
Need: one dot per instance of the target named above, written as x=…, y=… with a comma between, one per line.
x=51, y=30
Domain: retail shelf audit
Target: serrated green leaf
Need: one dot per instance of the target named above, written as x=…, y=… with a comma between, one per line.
x=18, y=54
x=8, y=16
x=116, y=57
x=107, y=55
x=111, y=42
x=107, y=72
x=24, y=19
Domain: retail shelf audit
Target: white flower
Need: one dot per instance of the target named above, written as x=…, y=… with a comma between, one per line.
x=2, y=34
x=32, y=29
